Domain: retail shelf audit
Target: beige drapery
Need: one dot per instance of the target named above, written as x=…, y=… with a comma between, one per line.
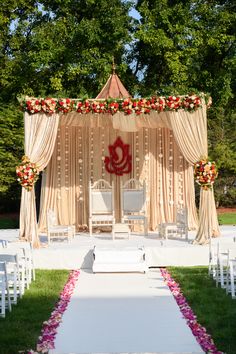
x=190, y=133
x=40, y=137
x=79, y=157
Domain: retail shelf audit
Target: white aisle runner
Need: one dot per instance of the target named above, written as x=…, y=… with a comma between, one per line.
x=120, y=313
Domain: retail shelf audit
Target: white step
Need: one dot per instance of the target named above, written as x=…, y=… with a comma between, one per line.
x=125, y=259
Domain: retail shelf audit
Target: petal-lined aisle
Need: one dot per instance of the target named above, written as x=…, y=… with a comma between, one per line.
x=123, y=313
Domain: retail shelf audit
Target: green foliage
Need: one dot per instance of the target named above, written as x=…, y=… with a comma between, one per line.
x=62, y=48
x=11, y=150
x=225, y=191
x=65, y=48
x=214, y=309
x=21, y=328
x=184, y=46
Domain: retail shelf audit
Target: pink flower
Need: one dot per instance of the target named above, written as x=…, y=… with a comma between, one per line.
x=204, y=339
x=49, y=330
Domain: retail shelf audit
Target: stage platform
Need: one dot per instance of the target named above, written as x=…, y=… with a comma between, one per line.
x=159, y=252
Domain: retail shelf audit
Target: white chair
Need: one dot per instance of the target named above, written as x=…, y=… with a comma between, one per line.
x=178, y=228
x=58, y=231
x=101, y=204
x=133, y=204
x=25, y=254
x=4, y=290
x=16, y=275
x=212, y=266
x=3, y=243
x=231, y=277
x=224, y=254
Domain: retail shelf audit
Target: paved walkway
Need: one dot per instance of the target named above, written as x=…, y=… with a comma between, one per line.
x=123, y=313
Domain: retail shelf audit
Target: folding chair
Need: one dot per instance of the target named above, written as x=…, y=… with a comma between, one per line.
x=25, y=254
x=16, y=275
x=231, y=278
x=179, y=227
x=4, y=290
x=58, y=231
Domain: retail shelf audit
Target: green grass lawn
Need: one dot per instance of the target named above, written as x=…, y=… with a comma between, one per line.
x=214, y=309
x=9, y=223
x=13, y=222
x=227, y=219
x=20, y=329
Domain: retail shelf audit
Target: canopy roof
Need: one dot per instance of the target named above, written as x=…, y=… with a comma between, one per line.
x=113, y=89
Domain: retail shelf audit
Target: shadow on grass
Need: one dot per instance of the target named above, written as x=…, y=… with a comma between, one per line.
x=9, y=222
x=21, y=328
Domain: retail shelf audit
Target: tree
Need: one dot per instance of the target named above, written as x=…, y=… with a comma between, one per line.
x=62, y=47
x=185, y=46
x=54, y=48
x=11, y=148
x=65, y=48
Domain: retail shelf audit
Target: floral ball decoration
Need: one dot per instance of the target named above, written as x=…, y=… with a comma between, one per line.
x=27, y=173
x=205, y=173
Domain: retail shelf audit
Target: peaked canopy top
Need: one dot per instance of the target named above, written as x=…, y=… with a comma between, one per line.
x=113, y=89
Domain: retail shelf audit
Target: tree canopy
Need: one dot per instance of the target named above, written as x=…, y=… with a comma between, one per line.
x=65, y=48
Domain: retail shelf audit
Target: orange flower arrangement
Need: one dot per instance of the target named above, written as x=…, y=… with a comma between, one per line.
x=27, y=173
x=205, y=173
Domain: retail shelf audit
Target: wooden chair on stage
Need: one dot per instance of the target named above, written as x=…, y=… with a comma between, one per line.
x=178, y=228
x=58, y=231
x=133, y=204
x=101, y=205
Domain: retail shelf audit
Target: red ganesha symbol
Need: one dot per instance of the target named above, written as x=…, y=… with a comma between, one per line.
x=119, y=161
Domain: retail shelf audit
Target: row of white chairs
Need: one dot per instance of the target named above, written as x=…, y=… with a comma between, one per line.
x=222, y=266
x=16, y=272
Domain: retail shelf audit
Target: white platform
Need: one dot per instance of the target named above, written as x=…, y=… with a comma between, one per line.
x=159, y=252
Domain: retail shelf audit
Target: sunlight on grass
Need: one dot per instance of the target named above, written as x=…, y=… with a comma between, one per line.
x=214, y=309
x=227, y=219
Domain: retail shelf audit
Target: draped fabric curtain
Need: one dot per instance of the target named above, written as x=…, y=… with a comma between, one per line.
x=79, y=156
x=190, y=132
x=164, y=146
x=40, y=137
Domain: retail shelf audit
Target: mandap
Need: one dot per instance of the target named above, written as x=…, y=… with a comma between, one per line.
x=69, y=139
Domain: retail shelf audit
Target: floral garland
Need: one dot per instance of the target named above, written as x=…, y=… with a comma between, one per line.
x=128, y=105
x=49, y=331
x=204, y=339
x=205, y=173
x=27, y=173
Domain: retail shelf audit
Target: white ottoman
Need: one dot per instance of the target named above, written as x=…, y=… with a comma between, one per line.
x=120, y=229
x=113, y=259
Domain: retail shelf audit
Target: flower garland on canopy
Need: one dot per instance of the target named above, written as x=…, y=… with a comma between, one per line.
x=205, y=173
x=27, y=173
x=128, y=105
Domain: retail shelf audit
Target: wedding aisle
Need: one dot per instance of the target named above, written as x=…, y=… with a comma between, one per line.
x=123, y=312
